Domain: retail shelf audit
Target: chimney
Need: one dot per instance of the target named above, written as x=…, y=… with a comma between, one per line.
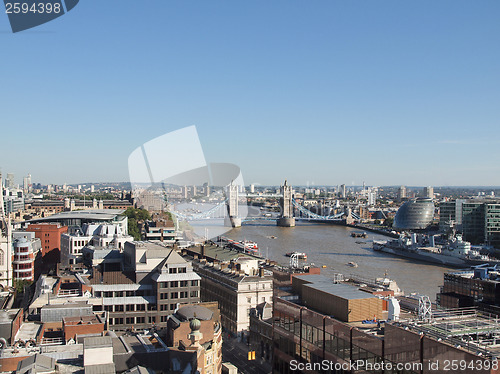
x=202, y=251
x=261, y=272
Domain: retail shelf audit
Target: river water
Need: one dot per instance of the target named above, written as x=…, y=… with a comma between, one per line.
x=333, y=246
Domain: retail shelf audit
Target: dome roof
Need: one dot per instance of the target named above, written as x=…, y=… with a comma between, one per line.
x=195, y=324
x=416, y=214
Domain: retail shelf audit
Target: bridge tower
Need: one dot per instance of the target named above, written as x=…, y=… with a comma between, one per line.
x=232, y=195
x=287, y=219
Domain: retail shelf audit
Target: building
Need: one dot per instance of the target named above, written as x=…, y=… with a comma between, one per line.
x=401, y=193
x=415, y=214
x=160, y=230
x=154, y=282
x=238, y=287
x=343, y=194
x=9, y=181
x=27, y=184
x=105, y=235
x=473, y=287
x=306, y=339
x=261, y=331
x=450, y=215
x=50, y=239
x=6, y=249
x=341, y=301
x=58, y=206
x=428, y=192
x=481, y=222
x=26, y=249
x=180, y=327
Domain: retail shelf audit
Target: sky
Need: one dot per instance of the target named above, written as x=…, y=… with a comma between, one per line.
x=318, y=92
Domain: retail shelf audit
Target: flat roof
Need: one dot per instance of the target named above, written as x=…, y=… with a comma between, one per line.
x=345, y=291
x=97, y=342
x=89, y=214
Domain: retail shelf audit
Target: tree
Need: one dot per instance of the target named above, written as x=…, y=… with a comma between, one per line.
x=135, y=216
x=133, y=229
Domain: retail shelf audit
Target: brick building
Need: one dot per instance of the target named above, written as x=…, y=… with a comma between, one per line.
x=50, y=236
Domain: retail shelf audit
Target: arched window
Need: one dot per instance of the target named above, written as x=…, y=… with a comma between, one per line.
x=2, y=262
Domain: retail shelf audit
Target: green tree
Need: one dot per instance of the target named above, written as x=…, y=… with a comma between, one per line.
x=133, y=229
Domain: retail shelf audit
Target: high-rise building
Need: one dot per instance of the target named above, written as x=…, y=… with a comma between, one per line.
x=428, y=192
x=27, y=183
x=342, y=191
x=9, y=181
x=372, y=197
x=450, y=215
x=402, y=193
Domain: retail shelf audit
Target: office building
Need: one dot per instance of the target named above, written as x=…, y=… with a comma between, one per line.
x=450, y=215
x=415, y=214
x=105, y=235
x=401, y=193
x=154, y=282
x=50, y=238
x=238, y=287
x=428, y=192
x=308, y=336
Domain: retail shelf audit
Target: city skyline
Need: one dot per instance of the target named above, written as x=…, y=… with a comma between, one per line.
x=400, y=94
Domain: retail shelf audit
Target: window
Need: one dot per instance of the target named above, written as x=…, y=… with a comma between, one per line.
x=249, y=300
x=151, y=319
x=174, y=295
x=129, y=320
x=182, y=270
x=184, y=295
x=163, y=307
x=194, y=293
x=174, y=284
x=118, y=308
x=194, y=283
x=119, y=294
x=173, y=306
x=140, y=307
x=163, y=296
x=183, y=284
x=172, y=270
x=140, y=319
x=164, y=318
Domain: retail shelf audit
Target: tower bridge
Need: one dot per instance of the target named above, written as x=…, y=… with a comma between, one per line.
x=288, y=207
x=233, y=214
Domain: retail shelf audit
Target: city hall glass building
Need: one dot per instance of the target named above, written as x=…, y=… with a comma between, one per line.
x=415, y=214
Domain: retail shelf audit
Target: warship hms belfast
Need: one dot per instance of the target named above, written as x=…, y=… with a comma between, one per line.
x=454, y=252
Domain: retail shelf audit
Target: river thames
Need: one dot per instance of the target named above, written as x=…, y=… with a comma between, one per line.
x=333, y=246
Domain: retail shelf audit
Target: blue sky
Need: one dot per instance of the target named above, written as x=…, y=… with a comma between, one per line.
x=324, y=92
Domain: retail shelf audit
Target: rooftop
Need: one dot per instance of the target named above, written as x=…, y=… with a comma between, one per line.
x=344, y=291
x=89, y=215
x=97, y=342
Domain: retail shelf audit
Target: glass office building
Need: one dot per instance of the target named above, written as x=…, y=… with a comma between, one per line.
x=415, y=214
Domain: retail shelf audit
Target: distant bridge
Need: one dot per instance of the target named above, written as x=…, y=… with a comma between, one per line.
x=229, y=210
